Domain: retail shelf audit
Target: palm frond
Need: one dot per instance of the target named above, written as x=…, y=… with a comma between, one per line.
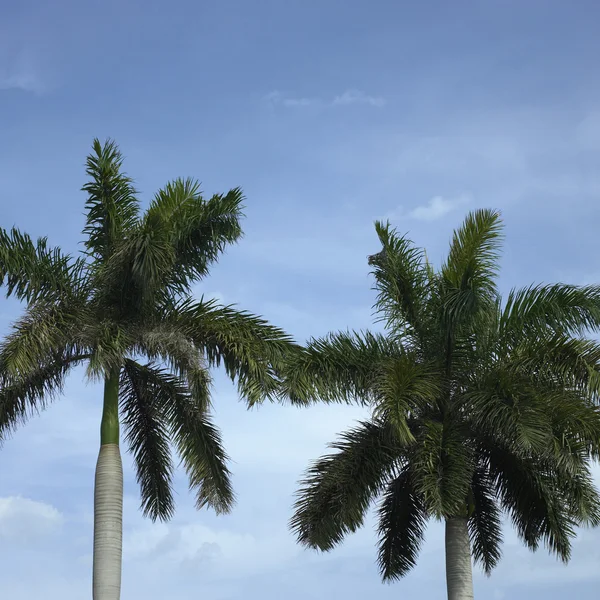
x=403, y=387
x=28, y=394
x=560, y=308
x=45, y=330
x=110, y=342
x=485, y=523
x=401, y=280
x=253, y=352
x=442, y=462
x=534, y=503
x=33, y=271
x=575, y=424
x=402, y=522
x=342, y=367
x=196, y=439
x=511, y=405
x=470, y=272
x=338, y=489
x=196, y=230
x=142, y=401
x=571, y=362
x=166, y=343
x=112, y=206
x=581, y=496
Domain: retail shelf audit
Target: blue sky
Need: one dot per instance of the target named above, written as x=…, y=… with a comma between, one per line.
x=329, y=114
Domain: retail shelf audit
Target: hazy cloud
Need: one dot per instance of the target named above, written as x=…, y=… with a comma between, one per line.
x=277, y=98
x=27, y=82
x=347, y=98
x=358, y=97
x=436, y=208
x=23, y=518
x=19, y=73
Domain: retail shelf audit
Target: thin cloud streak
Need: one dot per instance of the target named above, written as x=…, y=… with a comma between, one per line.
x=348, y=98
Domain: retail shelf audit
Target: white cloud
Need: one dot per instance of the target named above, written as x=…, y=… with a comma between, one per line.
x=25, y=81
x=436, y=208
x=347, y=98
x=300, y=102
x=23, y=519
x=216, y=552
x=22, y=73
x=277, y=98
x=358, y=97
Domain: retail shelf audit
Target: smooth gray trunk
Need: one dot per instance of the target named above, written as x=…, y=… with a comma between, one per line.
x=459, y=574
x=108, y=524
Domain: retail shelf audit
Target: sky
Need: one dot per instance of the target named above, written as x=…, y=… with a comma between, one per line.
x=330, y=114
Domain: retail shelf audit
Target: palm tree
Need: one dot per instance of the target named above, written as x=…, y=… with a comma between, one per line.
x=476, y=409
x=124, y=308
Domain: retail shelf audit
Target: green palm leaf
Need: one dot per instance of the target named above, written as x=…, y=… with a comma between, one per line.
x=485, y=525
x=339, y=488
x=112, y=206
x=142, y=406
x=402, y=522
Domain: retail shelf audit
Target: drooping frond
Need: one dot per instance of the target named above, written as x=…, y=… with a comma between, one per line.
x=196, y=439
x=168, y=344
x=402, y=522
x=571, y=362
x=575, y=426
x=112, y=206
x=442, y=462
x=401, y=280
x=45, y=330
x=580, y=494
x=252, y=351
x=530, y=495
x=110, y=342
x=29, y=394
x=485, y=522
x=33, y=271
x=142, y=402
x=512, y=406
x=338, y=488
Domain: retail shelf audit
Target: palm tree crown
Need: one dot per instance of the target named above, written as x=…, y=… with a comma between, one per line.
x=478, y=407
x=128, y=297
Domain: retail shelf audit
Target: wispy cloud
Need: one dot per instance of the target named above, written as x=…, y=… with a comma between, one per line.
x=21, y=75
x=277, y=98
x=436, y=208
x=358, y=97
x=26, y=82
x=23, y=519
x=347, y=98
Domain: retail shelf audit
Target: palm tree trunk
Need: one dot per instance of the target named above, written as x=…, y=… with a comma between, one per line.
x=459, y=575
x=108, y=500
